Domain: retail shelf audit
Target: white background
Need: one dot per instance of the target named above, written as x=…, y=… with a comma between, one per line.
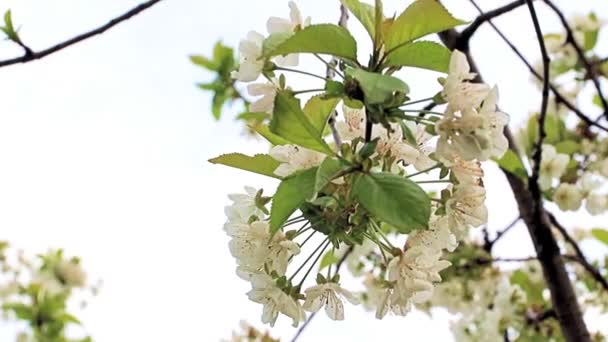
x=103, y=151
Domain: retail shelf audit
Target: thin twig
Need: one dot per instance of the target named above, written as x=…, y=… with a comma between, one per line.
x=558, y=95
x=467, y=33
x=581, y=54
x=33, y=55
x=499, y=234
x=579, y=255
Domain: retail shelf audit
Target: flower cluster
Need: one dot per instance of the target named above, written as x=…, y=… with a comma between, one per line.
x=37, y=291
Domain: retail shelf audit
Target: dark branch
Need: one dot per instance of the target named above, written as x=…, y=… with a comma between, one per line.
x=579, y=255
x=489, y=244
x=33, y=55
x=558, y=95
x=467, y=33
x=580, y=53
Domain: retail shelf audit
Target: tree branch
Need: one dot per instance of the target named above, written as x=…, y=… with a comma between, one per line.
x=581, y=54
x=467, y=33
x=489, y=244
x=33, y=55
x=558, y=95
x=330, y=73
x=579, y=255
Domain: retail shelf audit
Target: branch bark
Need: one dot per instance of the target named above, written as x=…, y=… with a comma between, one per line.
x=35, y=55
x=562, y=293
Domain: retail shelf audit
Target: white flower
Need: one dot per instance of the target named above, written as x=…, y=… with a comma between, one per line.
x=243, y=206
x=437, y=237
x=466, y=172
x=462, y=95
x=353, y=125
x=275, y=301
x=423, y=161
x=472, y=134
x=568, y=197
x=328, y=294
x=392, y=143
x=280, y=25
x=585, y=22
x=253, y=248
x=294, y=158
x=466, y=208
x=596, y=204
x=604, y=167
x=374, y=292
x=552, y=165
x=251, y=62
x=354, y=260
x=412, y=274
x=587, y=184
x=71, y=273
x=268, y=92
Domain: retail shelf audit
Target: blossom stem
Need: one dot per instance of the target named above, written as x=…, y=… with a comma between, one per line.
x=425, y=170
x=329, y=65
x=307, y=238
x=382, y=235
x=307, y=91
x=314, y=262
x=419, y=120
x=434, y=181
x=417, y=101
x=300, y=72
x=308, y=259
x=422, y=111
x=302, y=231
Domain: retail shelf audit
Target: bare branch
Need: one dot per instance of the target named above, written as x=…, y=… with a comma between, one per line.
x=558, y=95
x=330, y=74
x=579, y=255
x=581, y=54
x=489, y=244
x=33, y=55
x=467, y=33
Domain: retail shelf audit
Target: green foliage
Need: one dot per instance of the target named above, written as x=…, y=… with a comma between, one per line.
x=327, y=171
x=328, y=259
x=421, y=54
x=511, y=162
x=272, y=138
x=292, y=124
x=393, y=199
x=365, y=13
x=291, y=193
x=222, y=63
x=568, y=147
x=318, y=110
x=323, y=38
x=534, y=291
x=262, y=164
x=378, y=88
x=9, y=28
x=421, y=18
x=600, y=235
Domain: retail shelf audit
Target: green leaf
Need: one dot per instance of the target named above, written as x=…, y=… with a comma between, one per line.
x=255, y=116
x=318, y=110
x=365, y=13
x=534, y=292
x=217, y=103
x=262, y=164
x=334, y=89
x=421, y=18
x=323, y=38
x=272, y=138
x=204, y=62
x=422, y=54
x=291, y=193
x=511, y=162
x=600, y=234
x=290, y=122
x=326, y=172
x=377, y=88
x=393, y=199
x=22, y=311
x=328, y=259
x=568, y=147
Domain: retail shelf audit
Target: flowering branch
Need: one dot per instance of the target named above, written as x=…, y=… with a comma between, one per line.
x=580, y=53
x=558, y=95
x=579, y=255
x=34, y=55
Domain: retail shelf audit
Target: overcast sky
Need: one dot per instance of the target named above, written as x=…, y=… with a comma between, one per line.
x=103, y=151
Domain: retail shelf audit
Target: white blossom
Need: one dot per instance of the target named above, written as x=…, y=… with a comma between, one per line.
x=466, y=208
x=294, y=158
x=281, y=25
x=71, y=273
x=552, y=165
x=353, y=125
x=392, y=143
x=268, y=92
x=437, y=237
x=596, y=203
x=328, y=294
x=275, y=301
x=568, y=197
x=460, y=94
x=251, y=61
x=465, y=171
x=243, y=206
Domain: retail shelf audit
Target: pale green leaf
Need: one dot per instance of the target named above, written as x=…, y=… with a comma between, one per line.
x=326, y=172
x=421, y=18
x=328, y=259
x=421, y=54
x=377, y=88
x=290, y=123
x=204, y=62
x=272, y=138
x=318, y=110
x=567, y=147
x=600, y=234
x=511, y=162
x=393, y=199
x=262, y=164
x=323, y=38
x=291, y=193
x=365, y=13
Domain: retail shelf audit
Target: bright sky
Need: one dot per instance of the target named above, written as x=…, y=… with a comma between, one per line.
x=103, y=151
